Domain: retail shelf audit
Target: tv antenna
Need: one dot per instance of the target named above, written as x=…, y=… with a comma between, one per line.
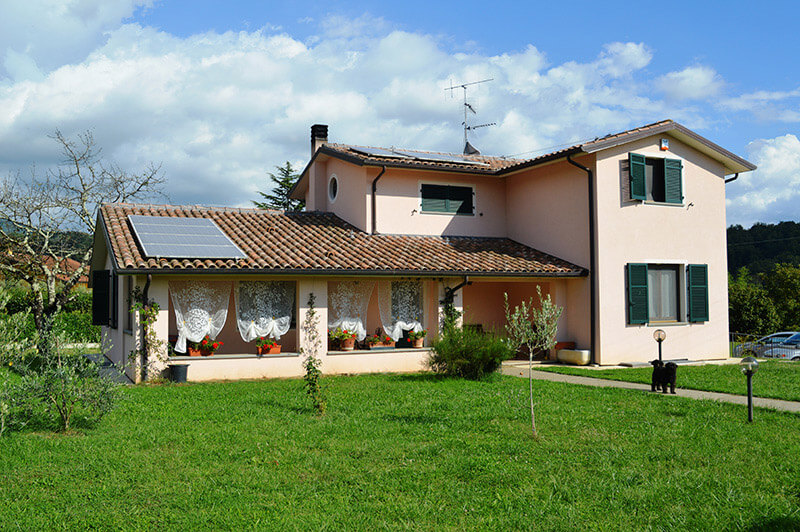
x=469, y=149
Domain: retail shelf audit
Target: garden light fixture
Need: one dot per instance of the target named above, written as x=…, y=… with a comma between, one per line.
x=659, y=335
x=749, y=366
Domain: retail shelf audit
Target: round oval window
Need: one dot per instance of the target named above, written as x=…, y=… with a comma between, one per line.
x=333, y=188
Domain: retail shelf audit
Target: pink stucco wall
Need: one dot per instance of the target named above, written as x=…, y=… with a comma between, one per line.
x=632, y=231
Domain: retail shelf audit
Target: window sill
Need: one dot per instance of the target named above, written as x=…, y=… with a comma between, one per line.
x=662, y=203
x=389, y=351
x=183, y=358
x=446, y=213
x=667, y=323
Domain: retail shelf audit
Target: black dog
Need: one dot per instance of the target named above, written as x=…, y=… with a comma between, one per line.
x=670, y=370
x=658, y=376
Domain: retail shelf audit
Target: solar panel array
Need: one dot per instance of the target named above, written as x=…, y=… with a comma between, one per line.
x=419, y=156
x=183, y=238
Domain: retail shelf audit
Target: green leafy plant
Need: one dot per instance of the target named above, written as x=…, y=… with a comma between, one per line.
x=340, y=334
x=312, y=364
x=153, y=353
x=535, y=328
x=416, y=335
x=468, y=353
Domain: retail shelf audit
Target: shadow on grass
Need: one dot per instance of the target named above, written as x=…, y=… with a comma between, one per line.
x=776, y=523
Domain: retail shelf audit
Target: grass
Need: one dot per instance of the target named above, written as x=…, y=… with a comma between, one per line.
x=776, y=379
x=404, y=452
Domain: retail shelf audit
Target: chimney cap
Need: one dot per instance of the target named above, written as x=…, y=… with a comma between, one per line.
x=319, y=131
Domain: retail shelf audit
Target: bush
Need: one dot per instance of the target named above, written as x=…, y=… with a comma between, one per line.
x=468, y=353
x=77, y=327
x=81, y=301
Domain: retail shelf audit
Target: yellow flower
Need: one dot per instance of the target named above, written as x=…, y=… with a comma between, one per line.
x=10, y=363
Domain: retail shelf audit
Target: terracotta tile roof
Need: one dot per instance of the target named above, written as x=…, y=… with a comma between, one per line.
x=491, y=165
x=309, y=242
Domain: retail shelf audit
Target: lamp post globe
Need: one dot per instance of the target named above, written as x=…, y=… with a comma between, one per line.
x=659, y=335
x=749, y=366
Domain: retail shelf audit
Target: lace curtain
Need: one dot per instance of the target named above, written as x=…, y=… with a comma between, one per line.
x=400, y=304
x=264, y=308
x=201, y=308
x=347, y=305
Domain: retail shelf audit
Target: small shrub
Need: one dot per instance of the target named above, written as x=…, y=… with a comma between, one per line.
x=77, y=327
x=468, y=353
x=80, y=301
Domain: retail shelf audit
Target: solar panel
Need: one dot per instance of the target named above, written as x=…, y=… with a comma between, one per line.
x=442, y=157
x=183, y=238
x=380, y=152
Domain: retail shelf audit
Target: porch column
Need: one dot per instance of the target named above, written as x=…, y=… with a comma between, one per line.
x=158, y=292
x=320, y=290
x=458, y=300
x=559, y=297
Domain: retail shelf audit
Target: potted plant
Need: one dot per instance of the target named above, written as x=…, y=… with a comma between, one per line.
x=346, y=340
x=204, y=347
x=417, y=338
x=379, y=341
x=267, y=346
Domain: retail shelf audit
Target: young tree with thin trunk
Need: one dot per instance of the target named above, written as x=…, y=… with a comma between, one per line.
x=37, y=210
x=536, y=329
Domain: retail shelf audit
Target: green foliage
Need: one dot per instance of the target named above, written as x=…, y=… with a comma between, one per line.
x=750, y=309
x=312, y=364
x=468, y=353
x=782, y=284
x=762, y=246
x=281, y=183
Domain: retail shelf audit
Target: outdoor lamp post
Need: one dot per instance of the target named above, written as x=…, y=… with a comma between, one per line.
x=749, y=366
x=659, y=336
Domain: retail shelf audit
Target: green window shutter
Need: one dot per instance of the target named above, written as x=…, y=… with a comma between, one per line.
x=673, y=192
x=101, y=297
x=637, y=175
x=459, y=200
x=434, y=198
x=638, y=299
x=698, y=292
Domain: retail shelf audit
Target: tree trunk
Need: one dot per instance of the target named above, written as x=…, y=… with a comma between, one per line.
x=530, y=388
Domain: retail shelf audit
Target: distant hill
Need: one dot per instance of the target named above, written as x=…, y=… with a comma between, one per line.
x=763, y=245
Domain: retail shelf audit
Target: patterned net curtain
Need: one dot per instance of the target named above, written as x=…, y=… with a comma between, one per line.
x=347, y=305
x=400, y=304
x=201, y=308
x=264, y=308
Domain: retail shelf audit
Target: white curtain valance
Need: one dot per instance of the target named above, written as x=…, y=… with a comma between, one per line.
x=347, y=305
x=201, y=308
x=264, y=308
x=400, y=305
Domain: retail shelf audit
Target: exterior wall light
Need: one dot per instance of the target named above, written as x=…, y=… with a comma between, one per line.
x=659, y=335
x=749, y=366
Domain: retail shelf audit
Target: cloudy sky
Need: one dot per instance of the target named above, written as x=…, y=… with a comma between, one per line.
x=221, y=92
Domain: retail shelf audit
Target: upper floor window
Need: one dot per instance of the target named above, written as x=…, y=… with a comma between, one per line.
x=333, y=188
x=447, y=198
x=656, y=179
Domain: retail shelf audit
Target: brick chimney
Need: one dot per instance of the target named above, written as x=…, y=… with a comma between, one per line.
x=319, y=136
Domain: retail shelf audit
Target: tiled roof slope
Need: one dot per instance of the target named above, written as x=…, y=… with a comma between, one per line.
x=490, y=165
x=309, y=242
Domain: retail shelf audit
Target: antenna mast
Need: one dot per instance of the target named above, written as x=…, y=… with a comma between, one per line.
x=469, y=149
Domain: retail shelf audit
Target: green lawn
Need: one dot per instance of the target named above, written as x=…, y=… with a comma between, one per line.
x=404, y=452
x=777, y=379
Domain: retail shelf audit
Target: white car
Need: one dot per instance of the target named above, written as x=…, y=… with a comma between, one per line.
x=787, y=350
x=782, y=343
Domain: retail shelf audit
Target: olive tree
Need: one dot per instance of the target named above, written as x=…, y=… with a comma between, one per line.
x=535, y=328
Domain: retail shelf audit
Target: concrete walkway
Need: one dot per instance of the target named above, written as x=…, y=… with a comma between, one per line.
x=521, y=370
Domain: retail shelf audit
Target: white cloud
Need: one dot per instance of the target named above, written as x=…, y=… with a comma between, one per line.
x=772, y=192
x=691, y=83
x=767, y=105
x=219, y=110
x=40, y=35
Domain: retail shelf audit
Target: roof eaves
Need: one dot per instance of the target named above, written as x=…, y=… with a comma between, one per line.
x=668, y=126
x=550, y=157
x=344, y=272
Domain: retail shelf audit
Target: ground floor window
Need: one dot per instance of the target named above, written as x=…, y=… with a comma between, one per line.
x=667, y=293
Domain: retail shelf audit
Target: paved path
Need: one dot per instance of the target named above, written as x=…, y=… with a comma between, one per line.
x=521, y=370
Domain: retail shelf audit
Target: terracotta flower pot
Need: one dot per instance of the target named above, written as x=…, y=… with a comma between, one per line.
x=192, y=352
x=387, y=344
x=348, y=344
x=274, y=350
x=206, y=352
x=418, y=342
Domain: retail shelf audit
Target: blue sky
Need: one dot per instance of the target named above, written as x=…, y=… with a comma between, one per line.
x=220, y=92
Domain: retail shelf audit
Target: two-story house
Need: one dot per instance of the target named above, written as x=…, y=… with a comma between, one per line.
x=626, y=233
